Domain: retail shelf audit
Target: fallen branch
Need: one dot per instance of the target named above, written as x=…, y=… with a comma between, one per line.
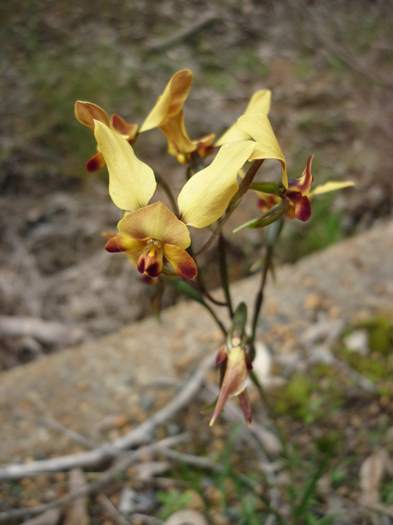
x=108, y=507
x=48, y=332
x=120, y=466
x=108, y=451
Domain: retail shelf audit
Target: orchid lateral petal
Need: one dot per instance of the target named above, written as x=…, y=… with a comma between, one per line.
x=131, y=181
x=259, y=129
x=127, y=129
x=331, y=186
x=258, y=105
x=181, y=261
x=206, y=195
x=155, y=221
x=171, y=102
x=87, y=112
x=124, y=243
x=95, y=162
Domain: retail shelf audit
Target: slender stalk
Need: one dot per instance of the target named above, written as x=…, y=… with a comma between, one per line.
x=223, y=266
x=202, y=286
x=261, y=292
x=243, y=187
x=216, y=318
x=276, y=229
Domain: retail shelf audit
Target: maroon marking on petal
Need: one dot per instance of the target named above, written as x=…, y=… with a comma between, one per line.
x=293, y=196
x=141, y=264
x=153, y=269
x=95, y=162
x=114, y=245
x=303, y=209
x=188, y=271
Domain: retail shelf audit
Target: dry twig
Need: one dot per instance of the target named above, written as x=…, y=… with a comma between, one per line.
x=48, y=332
x=108, y=476
x=108, y=507
x=108, y=451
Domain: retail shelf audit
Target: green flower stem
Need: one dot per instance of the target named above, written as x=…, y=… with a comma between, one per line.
x=165, y=186
x=271, y=243
x=202, y=286
x=223, y=267
x=216, y=319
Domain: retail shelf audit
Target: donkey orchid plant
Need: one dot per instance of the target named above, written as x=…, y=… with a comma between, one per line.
x=157, y=238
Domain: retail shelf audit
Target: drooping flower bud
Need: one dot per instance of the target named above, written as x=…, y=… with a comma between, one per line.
x=234, y=366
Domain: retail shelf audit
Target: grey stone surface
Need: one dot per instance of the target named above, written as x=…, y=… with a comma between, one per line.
x=112, y=379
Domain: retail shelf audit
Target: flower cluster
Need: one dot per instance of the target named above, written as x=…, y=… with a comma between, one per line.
x=157, y=239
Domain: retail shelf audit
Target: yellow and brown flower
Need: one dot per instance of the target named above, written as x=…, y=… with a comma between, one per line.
x=151, y=234
x=168, y=115
x=297, y=196
x=87, y=112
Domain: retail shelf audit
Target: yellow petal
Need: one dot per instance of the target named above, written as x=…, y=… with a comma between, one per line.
x=258, y=106
x=155, y=221
x=332, y=186
x=171, y=101
x=205, y=197
x=181, y=261
x=259, y=103
x=131, y=181
x=259, y=129
x=87, y=112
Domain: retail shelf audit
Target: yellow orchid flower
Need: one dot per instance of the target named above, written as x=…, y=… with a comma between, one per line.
x=87, y=112
x=255, y=125
x=168, y=115
x=151, y=234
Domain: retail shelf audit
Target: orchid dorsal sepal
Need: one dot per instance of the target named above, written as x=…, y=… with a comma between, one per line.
x=267, y=218
x=131, y=181
x=330, y=186
x=268, y=187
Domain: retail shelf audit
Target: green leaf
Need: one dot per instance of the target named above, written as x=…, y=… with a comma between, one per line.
x=187, y=290
x=268, y=187
x=267, y=218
